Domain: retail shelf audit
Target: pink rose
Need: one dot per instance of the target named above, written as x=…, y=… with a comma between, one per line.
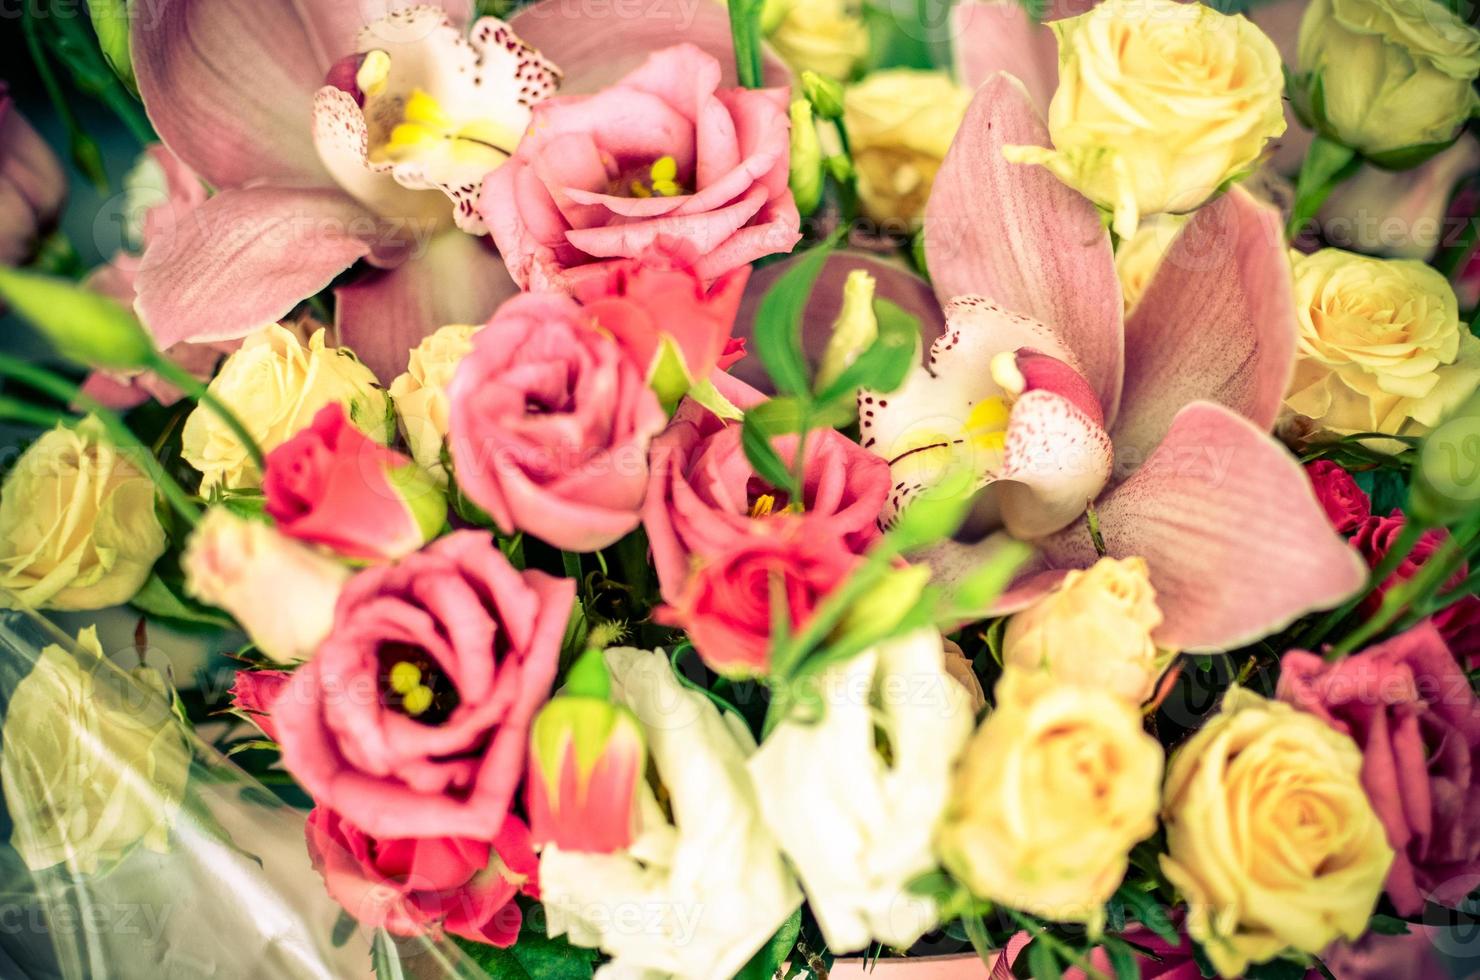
x=1457, y=623
x=726, y=605
x=549, y=425
x=1343, y=501
x=704, y=497
x=412, y=720
x=332, y=485
x=411, y=885
x=661, y=154
x=253, y=693
x=1410, y=708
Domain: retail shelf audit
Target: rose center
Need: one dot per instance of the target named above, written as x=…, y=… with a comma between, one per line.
x=413, y=683
x=658, y=179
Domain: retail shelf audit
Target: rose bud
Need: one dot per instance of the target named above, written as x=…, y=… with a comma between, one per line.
x=586, y=756
x=332, y=485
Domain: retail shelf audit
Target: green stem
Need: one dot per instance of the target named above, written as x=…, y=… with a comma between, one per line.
x=15, y=410
x=84, y=150
x=1069, y=955
x=123, y=438
x=980, y=941
x=167, y=369
x=745, y=30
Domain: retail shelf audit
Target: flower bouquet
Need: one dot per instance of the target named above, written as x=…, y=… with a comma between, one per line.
x=769, y=491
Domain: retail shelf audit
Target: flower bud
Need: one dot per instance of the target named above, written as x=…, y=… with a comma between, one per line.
x=806, y=158
x=853, y=331
x=1446, y=481
x=586, y=755
x=83, y=326
x=825, y=94
x=1392, y=79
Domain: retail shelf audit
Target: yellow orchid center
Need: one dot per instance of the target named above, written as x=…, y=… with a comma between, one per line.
x=986, y=424
x=426, y=127
x=661, y=180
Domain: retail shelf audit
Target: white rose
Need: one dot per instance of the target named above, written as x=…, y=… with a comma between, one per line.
x=420, y=393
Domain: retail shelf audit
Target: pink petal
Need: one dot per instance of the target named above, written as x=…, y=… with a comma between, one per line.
x=245, y=258
x=597, y=43
x=32, y=184
x=1017, y=235
x=381, y=316
x=1217, y=323
x=989, y=36
x=1237, y=545
x=229, y=86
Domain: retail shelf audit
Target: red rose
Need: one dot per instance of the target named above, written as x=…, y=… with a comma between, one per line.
x=253, y=693
x=1459, y=623
x=1345, y=503
x=411, y=885
x=1409, y=707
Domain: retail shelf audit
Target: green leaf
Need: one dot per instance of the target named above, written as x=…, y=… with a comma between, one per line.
x=1327, y=164
x=980, y=588
x=344, y=927
x=762, y=455
x=1387, y=925
x=778, y=323
x=1278, y=969
x=936, y=514
x=385, y=957
x=1122, y=960
x=534, y=957
x=883, y=366
x=764, y=964
x=159, y=599
x=1042, y=963
x=1149, y=913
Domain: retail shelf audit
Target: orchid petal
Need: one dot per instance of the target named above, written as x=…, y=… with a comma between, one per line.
x=1237, y=544
x=1017, y=235
x=989, y=36
x=457, y=279
x=343, y=141
x=337, y=28
x=229, y=84
x=244, y=258
x=1217, y=323
x=1057, y=458
x=596, y=44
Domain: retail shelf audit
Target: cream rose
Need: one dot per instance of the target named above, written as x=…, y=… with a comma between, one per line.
x=281, y=591
x=1031, y=823
x=1138, y=257
x=1391, y=78
x=900, y=124
x=90, y=768
x=1094, y=630
x=77, y=523
x=1381, y=347
x=1159, y=105
x=420, y=393
x=825, y=36
x=275, y=385
x=1270, y=836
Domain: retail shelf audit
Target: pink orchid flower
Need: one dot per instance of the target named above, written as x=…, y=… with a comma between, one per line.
x=342, y=130
x=1048, y=400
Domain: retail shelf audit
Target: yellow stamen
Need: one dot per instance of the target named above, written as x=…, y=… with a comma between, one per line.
x=374, y=71
x=417, y=700
x=986, y=425
x=763, y=506
x=425, y=123
x=405, y=677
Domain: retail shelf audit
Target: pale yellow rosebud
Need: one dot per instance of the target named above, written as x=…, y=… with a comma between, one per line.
x=78, y=528
x=1033, y=827
x=855, y=328
x=90, y=768
x=825, y=36
x=900, y=124
x=806, y=158
x=276, y=385
x=1270, y=836
x=1392, y=79
x=1138, y=257
x=1095, y=630
x=1381, y=347
x=420, y=393
x=1159, y=105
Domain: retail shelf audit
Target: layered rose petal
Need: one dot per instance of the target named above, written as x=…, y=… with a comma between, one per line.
x=1237, y=544
x=1018, y=236
x=245, y=258
x=1217, y=323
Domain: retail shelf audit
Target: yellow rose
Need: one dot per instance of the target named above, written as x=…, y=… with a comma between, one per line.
x=77, y=523
x=900, y=124
x=1137, y=257
x=1391, y=78
x=1053, y=791
x=1270, y=836
x=276, y=385
x=1159, y=105
x=420, y=393
x=1381, y=347
x=1094, y=630
x=90, y=768
x=825, y=36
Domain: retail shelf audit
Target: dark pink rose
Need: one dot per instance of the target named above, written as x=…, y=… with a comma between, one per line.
x=1409, y=706
x=253, y=693
x=726, y=605
x=1458, y=623
x=413, y=885
x=705, y=498
x=1343, y=501
x=332, y=485
x=664, y=153
x=549, y=425
x=412, y=718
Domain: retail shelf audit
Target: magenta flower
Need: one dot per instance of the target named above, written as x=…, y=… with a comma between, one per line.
x=1045, y=398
